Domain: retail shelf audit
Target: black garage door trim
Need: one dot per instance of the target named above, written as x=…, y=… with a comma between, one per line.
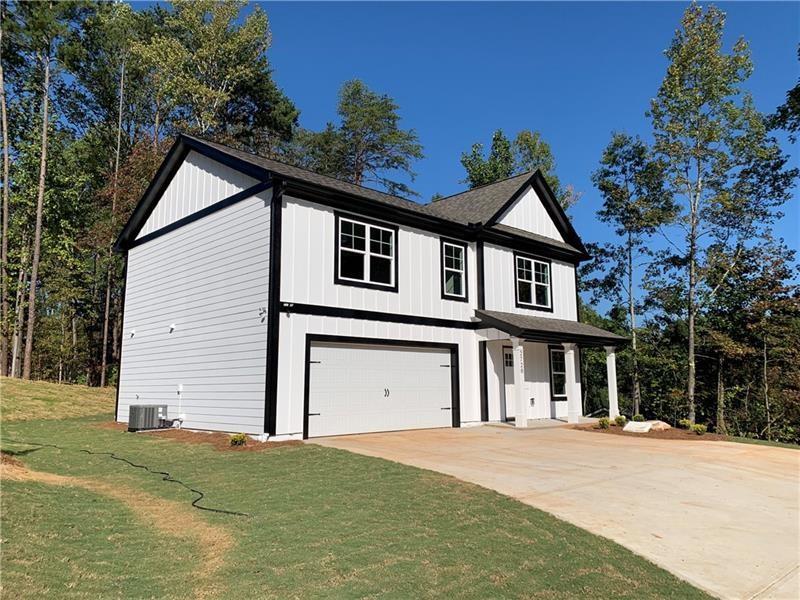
x=455, y=390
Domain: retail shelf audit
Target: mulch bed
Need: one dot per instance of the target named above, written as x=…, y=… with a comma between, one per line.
x=670, y=434
x=220, y=441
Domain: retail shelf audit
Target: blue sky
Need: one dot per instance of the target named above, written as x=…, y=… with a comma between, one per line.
x=573, y=71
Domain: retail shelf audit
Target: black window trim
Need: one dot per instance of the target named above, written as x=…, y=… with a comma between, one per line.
x=554, y=397
x=540, y=259
x=337, y=242
x=465, y=247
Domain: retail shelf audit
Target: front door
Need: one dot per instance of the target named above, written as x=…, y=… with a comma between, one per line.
x=508, y=382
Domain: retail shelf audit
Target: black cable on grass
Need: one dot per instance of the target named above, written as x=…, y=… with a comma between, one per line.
x=165, y=476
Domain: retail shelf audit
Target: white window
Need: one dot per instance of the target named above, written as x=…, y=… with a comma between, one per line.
x=366, y=254
x=454, y=271
x=533, y=283
x=558, y=373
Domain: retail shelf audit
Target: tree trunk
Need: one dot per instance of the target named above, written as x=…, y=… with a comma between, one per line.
x=116, y=331
x=156, y=125
x=4, y=246
x=692, y=308
x=37, y=238
x=106, y=311
x=18, y=323
x=110, y=263
x=721, y=427
x=766, y=389
x=74, y=340
x=61, y=347
x=636, y=391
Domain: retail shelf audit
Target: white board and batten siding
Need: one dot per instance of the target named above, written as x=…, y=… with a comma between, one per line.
x=208, y=279
x=292, y=345
x=198, y=183
x=536, y=384
x=307, y=273
x=529, y=214
x=501, y=281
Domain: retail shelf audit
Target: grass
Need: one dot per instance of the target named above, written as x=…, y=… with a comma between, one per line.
x=20, y=399
x=759, y=442
x=323, y=523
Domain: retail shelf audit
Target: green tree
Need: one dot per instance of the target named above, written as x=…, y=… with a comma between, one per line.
x=788, y=114
x=635, y=204
x=100, y=56
x=4, y=287
x=208, y=64
x=499, y=164
x=367, y=145
x=527, y=152
x=718, y=155
x=43, y=28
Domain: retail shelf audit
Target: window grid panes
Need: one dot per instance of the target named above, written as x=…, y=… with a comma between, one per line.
x=454, y=270
x=533, y=282
x=558, y=372
x=369, y=263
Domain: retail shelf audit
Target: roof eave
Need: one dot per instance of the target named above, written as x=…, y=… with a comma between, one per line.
x=538, y=335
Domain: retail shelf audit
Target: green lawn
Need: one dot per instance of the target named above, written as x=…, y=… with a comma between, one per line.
x=20, y=399
x=323, y=523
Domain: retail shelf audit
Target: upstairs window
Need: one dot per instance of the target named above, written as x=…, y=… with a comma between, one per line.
x=558, y=374
x=366, y=254
x=533, y=283
x=454, y=270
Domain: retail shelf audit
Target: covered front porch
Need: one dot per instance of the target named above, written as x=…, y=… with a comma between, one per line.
x=530, y=367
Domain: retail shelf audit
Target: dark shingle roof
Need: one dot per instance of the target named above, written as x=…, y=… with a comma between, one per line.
x=533, y=236
x=299, y=174
x=479, y=204
x=545, y=327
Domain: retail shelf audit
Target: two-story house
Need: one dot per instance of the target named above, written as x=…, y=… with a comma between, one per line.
x=267, y=299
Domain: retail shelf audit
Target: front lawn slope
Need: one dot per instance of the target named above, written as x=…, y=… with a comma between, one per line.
x=23, y=400
x=323, y=523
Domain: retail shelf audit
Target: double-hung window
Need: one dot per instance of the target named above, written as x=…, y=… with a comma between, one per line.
x=533, y=283
x=558, y=374
x=366, y=253
x=454, y=270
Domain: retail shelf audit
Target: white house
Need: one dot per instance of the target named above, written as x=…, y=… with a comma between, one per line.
x=267, y=299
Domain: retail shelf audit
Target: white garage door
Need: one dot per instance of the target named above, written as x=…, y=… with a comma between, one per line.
x=364, y=388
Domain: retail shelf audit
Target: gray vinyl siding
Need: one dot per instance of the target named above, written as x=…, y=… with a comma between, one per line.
x=209, y=278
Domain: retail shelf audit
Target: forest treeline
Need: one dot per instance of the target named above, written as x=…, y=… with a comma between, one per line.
x=93, y=94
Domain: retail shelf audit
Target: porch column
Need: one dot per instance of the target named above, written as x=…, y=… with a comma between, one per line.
x=521, y=402
x=611, y=369
x=573, y=391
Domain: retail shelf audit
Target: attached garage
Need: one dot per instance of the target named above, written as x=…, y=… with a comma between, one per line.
x=359, y=386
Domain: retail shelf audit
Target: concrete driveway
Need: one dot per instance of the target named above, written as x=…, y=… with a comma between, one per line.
x=721, y=515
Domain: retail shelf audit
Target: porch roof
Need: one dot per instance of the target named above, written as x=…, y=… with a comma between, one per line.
x=543, y=329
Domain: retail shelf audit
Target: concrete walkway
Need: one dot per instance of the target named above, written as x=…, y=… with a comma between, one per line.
x=723, y=516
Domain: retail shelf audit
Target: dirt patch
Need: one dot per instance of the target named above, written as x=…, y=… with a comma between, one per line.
x=169, y=517
x=6, y=458
x=670, y=434
x=220, y=441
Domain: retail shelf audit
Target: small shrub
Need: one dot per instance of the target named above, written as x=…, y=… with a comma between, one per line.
x=638, y=418
x=620, y=420
x=240, y=439
x=603, y=423
x=699, y=429
x=685, y=424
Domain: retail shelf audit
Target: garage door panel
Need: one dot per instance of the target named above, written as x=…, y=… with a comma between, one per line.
x=366, y=388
